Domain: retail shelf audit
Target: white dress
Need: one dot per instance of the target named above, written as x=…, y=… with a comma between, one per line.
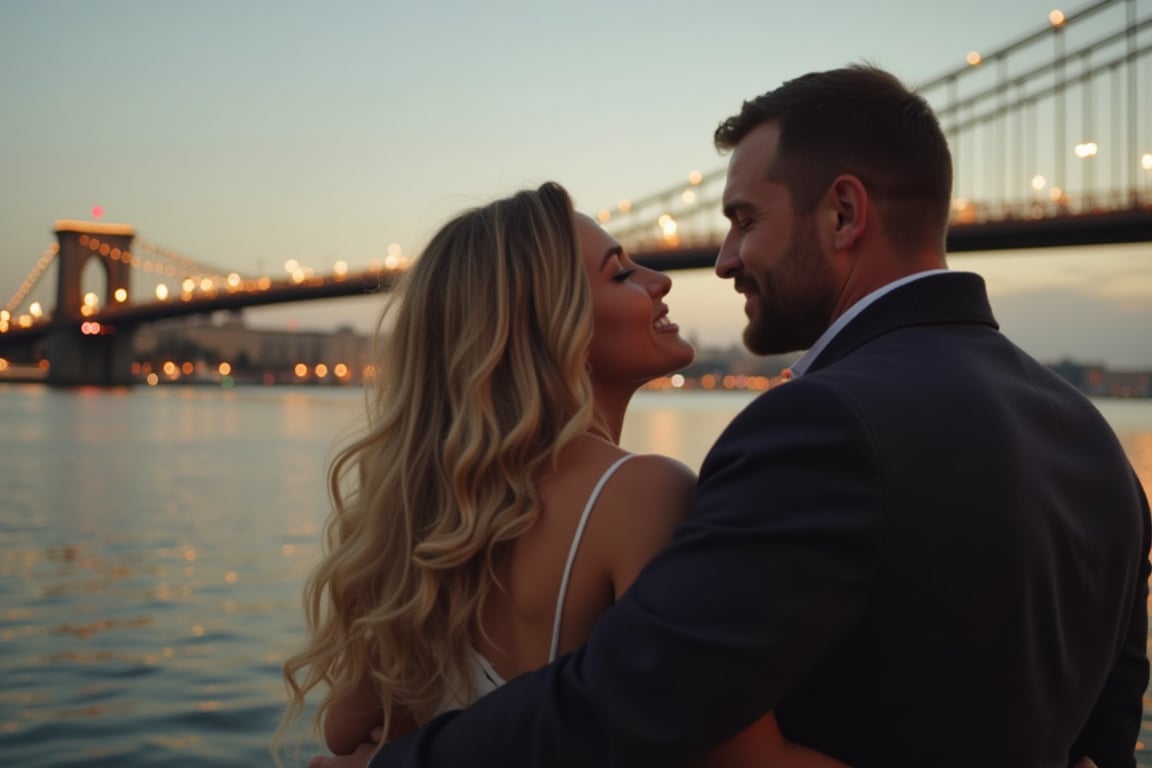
x=484, y=678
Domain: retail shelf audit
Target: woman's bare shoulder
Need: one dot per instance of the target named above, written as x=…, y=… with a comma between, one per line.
x=638, y=509
x=657, y=469
x=643, y=481
x=649, y=478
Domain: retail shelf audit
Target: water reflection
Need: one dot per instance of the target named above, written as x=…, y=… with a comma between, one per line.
x=153, y=545
x=152, y=548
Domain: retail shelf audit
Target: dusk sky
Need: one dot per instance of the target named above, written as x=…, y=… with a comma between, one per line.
x=244, y=134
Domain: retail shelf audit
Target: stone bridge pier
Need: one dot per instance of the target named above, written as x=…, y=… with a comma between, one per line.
x=82, y=348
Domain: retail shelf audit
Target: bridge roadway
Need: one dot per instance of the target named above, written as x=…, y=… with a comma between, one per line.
x=281, y=292
x=1133, y=225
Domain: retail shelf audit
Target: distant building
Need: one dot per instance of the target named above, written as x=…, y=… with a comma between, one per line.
x=1105, y=383
x=198, y=348
x=271, y=356
x=1095, y=380
x=1074, y=373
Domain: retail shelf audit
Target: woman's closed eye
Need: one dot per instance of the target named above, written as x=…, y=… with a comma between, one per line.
x=623, y=275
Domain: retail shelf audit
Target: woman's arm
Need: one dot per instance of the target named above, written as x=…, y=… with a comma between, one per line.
x=762, y=745
x=351, y=717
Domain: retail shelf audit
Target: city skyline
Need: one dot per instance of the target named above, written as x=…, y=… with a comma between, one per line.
x=246, y=136
x=225, y=350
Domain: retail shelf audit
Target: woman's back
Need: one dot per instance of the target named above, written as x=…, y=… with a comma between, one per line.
x=638, y=501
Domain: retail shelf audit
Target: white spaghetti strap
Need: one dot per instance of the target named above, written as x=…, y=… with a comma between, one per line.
x=575, y=546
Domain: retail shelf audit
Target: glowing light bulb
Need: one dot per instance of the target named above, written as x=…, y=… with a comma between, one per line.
x=1086, y=149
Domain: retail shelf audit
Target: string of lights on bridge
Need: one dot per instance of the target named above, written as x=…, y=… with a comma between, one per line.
x=991, y=115
x=194, y=279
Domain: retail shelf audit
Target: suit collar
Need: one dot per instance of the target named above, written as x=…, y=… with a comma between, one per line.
x=954, y=297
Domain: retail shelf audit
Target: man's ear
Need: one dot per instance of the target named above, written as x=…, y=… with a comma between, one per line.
x=848, y=201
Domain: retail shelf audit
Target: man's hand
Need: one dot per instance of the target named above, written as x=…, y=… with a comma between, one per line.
x=1084, y=762
x=360, y=757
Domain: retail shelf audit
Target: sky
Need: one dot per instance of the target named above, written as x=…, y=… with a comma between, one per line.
x=244, y=134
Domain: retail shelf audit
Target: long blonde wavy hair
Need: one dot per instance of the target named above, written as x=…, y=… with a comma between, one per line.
x=481, y=381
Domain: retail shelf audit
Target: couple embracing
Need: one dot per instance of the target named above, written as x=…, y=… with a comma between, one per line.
x=925, y=550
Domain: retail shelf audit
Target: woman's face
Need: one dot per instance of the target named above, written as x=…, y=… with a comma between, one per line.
x=633, y=340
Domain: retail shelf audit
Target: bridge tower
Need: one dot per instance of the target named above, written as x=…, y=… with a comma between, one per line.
x=103, y=358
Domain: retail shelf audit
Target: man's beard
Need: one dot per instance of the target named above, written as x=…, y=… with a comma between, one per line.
x=794, y=310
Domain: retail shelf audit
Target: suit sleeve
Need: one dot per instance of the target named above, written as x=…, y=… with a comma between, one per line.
x=768, y=575
x=1110, y=735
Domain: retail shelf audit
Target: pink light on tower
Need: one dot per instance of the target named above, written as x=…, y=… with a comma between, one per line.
x=97, y=211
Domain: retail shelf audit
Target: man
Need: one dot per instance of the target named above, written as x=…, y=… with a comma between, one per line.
x=924, y=550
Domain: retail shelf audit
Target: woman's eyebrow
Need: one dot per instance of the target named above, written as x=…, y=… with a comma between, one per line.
x=615, y=250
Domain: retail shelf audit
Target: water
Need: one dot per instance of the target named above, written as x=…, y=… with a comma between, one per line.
x=152, y=548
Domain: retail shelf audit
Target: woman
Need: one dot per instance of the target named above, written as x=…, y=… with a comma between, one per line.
x=488, y=516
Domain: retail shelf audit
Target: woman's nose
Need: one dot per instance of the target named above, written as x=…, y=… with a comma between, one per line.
x=658, y=283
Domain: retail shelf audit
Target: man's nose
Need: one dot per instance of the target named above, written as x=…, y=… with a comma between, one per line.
x=728, y=259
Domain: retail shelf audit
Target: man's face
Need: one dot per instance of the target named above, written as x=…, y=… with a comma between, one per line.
x=773, y=255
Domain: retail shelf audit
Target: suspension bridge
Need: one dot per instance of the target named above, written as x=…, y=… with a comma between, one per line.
x=1051, y=136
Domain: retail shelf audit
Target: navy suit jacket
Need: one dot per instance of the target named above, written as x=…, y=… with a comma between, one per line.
x=929, y=550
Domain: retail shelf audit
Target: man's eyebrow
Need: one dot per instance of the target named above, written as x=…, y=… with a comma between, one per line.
x=733, y=208
x=615, y=250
